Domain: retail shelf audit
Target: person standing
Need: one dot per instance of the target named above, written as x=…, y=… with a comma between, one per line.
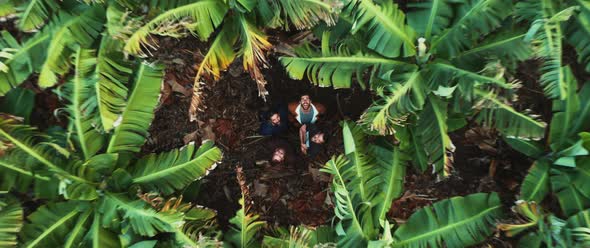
x=305, y=112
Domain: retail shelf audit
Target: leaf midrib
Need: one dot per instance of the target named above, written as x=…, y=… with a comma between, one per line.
x=392, y=176
x=459, y=23
x=475, y=75
x=53, y=227
x=162, y=174
x=130, y=100
x=77, y=228
x=431, y=17
x=349, y=60
x=21, y=171
x=507, y=108
x=24, y=49
x=538, y=186
x=351, y=209
x=76, y=104
x=387, y=21
x=493, y=44
x=173, y=12
x=441, y=230
x=27, y=13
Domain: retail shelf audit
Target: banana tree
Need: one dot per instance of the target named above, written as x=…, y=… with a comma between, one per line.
x=53, y=32
x=431, y=67
x=368, y=178
x=561, y=169
x=538, y=228
x=245, y=229
x=549, y=31
x=89, y=180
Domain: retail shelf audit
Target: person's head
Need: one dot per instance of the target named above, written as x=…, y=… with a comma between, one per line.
x=278, y=156
x=275, y=118
x=305, y=101
x=318, y=138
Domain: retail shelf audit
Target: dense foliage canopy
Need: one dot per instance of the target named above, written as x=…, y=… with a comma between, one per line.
x=434, y=66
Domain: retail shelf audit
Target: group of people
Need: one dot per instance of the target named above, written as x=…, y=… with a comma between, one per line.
x=303, y=115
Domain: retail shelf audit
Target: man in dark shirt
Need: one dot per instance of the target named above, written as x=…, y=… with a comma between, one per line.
x=274, y=122
x=311, y=139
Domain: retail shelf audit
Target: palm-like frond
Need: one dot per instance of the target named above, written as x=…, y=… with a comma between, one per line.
x=120, y=23
x=570, y=187
x=337, y=68
x=454, y=222
x=475, y=18
x=17, y=173
x=567, y=114
x=245, y=227
x=356, y=223
x=142, y=219
x=536, y=183
x=82, y=108
x=305, y=14
x=93, y=171
x=298, y=237
x=398, y=100
x=50, y=224
x=577, y=33
x=415, y=147
x=430, y=17
x=218, y=58
x=393, y=170
x=547, y=32
x=11, y=222
x=81, y=30
x=366, y=177
x=132, y=127
x=388, y=33
x=254, y=46
x=582, y=121
x=243, y=6
x=500, y=115
x=507, y=45
x=200, y=221
x=19, y=60
x=29, y=141
x=78, y=230
x=34, y=14
x=433, y=133
x=207, y=15
x=175, y=170
x=113, y=74
x=98, y=236
x=442, y=73
x=581, y=219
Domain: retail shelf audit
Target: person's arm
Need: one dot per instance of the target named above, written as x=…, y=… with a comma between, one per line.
x=302, y=131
